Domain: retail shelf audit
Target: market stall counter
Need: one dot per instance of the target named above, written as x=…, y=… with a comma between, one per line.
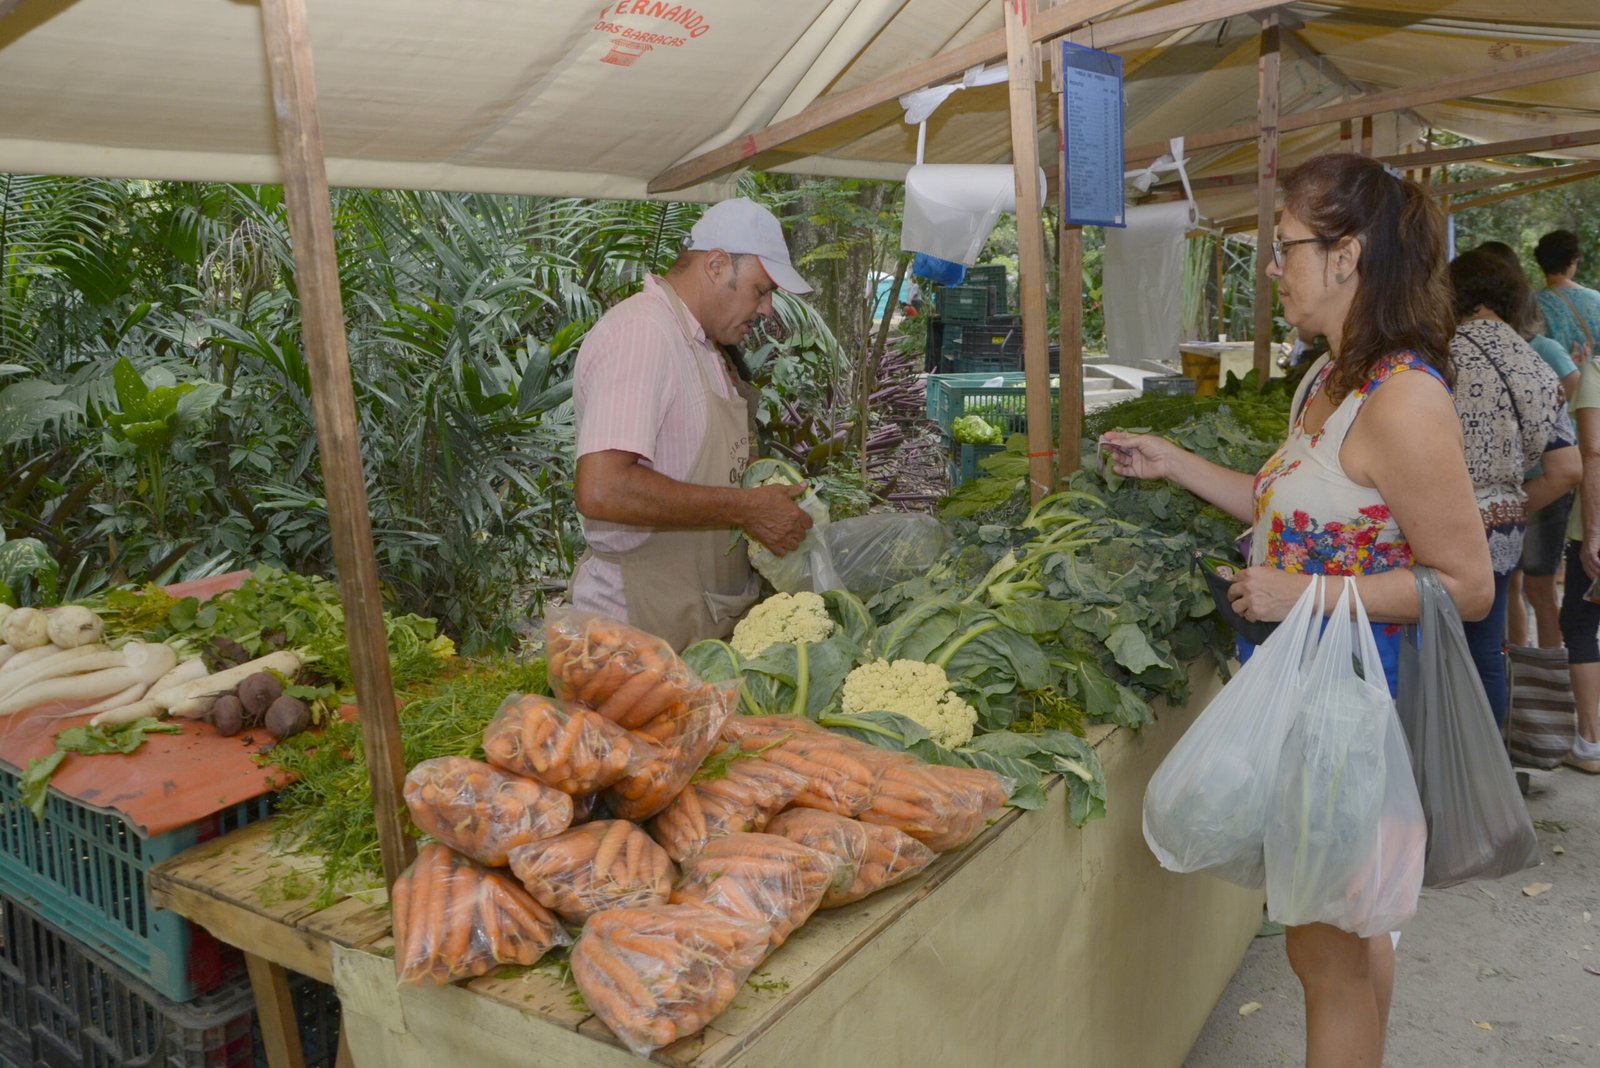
x=1037, y=943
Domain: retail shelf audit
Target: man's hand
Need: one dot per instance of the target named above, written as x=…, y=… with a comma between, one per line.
x=773, y=519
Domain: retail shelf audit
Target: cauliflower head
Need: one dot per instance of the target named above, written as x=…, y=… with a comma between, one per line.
x=783, y=617
x=918, y=691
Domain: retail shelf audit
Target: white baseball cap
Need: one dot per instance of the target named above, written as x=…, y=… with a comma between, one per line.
x=741, y=227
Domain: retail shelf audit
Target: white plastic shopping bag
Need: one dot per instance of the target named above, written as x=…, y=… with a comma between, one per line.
x=1208, y=804
x=1345, y=843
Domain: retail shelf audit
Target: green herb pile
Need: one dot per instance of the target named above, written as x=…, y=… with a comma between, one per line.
x=328, y=811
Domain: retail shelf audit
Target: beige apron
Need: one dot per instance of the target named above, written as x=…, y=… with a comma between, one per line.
x=685, y=585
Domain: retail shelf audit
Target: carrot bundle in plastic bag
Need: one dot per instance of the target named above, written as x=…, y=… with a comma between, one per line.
x=728, y=795
x=941, y=807
x=601, y=865
x=570, y=748
x=883, y=856
x=837, y=779
x=455, y=919
x=628, y=676
x=480, y=811
x=655, y=975
x=761, y=877
x=676, y=744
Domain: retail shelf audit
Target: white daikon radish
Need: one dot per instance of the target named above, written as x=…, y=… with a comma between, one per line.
x=191, y=700
x=188, y=671
x=126, y=713
x=67, y=662
x=126, y=676
x=23, y=657
x=25, y=628
x=73, y=625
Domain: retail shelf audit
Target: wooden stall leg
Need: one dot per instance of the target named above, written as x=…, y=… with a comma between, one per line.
x=280, y=1029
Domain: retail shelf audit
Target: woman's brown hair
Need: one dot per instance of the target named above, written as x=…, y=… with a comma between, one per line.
x=1403, y=298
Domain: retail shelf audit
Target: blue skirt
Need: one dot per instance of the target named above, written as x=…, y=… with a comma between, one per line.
x=1387, y=636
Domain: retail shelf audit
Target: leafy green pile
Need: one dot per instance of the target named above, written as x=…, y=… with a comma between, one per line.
x=327, y=810
x=276, y=609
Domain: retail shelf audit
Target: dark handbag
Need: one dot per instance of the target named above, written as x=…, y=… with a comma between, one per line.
x=1254, y=631
x=1478, y=827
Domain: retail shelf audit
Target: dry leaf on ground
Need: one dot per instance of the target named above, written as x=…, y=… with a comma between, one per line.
x=1249, y=1007
x=1535, y=889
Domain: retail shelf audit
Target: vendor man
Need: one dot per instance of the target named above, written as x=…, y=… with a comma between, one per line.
x=664, y=437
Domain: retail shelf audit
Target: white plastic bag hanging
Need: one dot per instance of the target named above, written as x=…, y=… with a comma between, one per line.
x=1208, y=804
x=1345, y=844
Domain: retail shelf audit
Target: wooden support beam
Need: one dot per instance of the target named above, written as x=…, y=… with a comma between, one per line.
x=1572, y=61
x=1266, y=188
x=1019, y=16
x=1366, y=135
x=1455, y=189
x=280, y=1028
x=1537, y=187
x=294, y=98
x=1046, y=25
x=1465, y=154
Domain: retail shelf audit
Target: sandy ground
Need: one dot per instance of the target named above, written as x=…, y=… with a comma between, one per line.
x=1487, y=975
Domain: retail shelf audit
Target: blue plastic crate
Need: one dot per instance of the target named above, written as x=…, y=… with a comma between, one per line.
x=77, y=1010
x=84, y=870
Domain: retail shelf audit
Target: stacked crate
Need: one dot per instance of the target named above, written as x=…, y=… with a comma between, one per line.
x=1001, y=398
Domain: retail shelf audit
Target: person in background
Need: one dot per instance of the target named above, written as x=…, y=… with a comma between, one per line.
x=1513, y=421
x=1545, y=538
x=664, y=434
x=1359, y=259
x=1571, y=312
x=1580, y=617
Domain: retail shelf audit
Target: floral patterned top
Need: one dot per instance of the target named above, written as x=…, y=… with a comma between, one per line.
x=1310, y=517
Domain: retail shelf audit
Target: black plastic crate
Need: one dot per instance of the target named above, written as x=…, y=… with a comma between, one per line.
x=991, y=276
x=963, y=304
x=65, y=1007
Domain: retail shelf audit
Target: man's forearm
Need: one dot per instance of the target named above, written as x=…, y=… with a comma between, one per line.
x=641, y=497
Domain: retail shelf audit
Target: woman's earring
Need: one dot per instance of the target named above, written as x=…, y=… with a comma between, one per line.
x=1338, y=277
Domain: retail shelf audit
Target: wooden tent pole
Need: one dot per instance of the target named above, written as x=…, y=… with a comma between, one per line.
x=294, y=99
x=1538, y=187
x=1030, y=243
x=1266, y=190
x=1456, y=189
x=1069, y=294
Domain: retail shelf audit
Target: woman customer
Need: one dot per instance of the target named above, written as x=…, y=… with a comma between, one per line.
x=1514, y=420
x=1580, y=617
x=1359, y=258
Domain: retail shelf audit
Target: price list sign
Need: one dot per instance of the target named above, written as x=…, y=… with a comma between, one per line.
x=1091, y=136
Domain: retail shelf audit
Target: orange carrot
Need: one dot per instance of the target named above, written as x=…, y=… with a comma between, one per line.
x=480, y=811
x=588, y=869
x=759, y=876
x=566, y=747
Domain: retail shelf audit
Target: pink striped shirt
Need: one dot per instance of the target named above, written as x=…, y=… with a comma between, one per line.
x=633, y=392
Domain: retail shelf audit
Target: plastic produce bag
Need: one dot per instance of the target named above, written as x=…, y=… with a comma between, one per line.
x=1207, y=805
x=807, y=568
x=727, y=796
x=870, y=553
x=628, y=675
x=1478, y=827
x=676, y=745
x=601, y=865
x=481, y=812
x=655, y=975
x=882, y=856
x=565, y=746
x=1345, y=843
x=454, y=919
x=761, y=877
x=941, y=807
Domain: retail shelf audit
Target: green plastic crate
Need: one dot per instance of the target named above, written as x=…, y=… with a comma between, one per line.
x=84, y=870
x=991, y=276
x=964, y=462
x=1004, y=405
x=962, y=304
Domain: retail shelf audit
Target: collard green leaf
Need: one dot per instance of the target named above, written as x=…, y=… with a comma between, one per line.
x=1132, y=649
